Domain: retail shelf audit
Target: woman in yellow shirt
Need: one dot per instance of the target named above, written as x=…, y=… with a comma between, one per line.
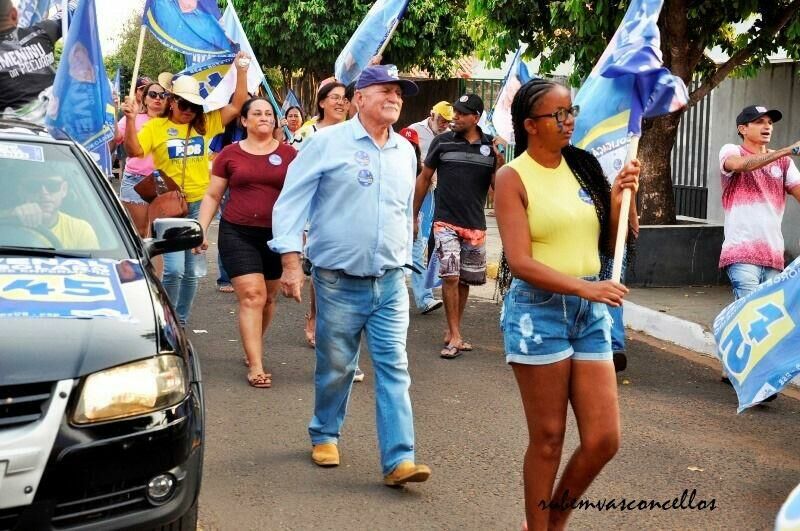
x=179, y=143
x=556, y=214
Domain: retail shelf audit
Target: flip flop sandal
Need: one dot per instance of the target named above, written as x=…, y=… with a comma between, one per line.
x=225, y=288
x=465, y=346
x=260, y=381
x=450, y=352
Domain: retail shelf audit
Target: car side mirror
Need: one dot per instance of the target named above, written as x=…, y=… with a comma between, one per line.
x=173, y=234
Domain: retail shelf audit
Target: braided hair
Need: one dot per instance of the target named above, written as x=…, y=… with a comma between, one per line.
x=584, y=166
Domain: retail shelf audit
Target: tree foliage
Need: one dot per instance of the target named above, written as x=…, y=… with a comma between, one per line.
x=155, y=57
x=308, y=35
x=557, y=31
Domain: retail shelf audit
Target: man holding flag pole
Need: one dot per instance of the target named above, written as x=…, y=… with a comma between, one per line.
x=554, y=207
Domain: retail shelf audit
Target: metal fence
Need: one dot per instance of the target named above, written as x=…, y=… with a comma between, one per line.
x=690, y=160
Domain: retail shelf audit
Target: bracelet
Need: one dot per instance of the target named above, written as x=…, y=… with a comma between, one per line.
x=796, y=150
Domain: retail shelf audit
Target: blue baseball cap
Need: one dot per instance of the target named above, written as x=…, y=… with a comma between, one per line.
x=382, y=74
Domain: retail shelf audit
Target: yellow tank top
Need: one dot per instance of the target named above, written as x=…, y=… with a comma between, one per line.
x=561, y=218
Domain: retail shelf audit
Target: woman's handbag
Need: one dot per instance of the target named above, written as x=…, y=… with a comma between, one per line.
x=154, y=184
x=170, y=203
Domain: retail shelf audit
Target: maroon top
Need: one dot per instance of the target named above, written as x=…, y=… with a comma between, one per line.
x=254, y=182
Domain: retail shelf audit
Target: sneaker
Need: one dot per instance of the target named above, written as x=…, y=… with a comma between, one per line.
x=434, y=304
x=620, y=361
x=358, y=376
x=325, y=454
x=405, y=472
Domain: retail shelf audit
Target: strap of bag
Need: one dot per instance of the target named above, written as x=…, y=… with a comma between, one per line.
x=185, y=155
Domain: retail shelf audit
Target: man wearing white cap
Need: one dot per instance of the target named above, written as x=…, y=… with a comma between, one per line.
x=179, y=144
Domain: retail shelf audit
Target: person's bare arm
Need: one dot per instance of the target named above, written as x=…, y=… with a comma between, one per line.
x=738, y=163
x=240, y=95
x=132, y=146
x=421, y=188
x=214, y=192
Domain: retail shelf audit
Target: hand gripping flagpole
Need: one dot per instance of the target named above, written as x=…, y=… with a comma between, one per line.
x=137, y=62
x=624, y=214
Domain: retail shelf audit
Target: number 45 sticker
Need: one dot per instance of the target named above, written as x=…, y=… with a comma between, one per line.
x=55, y=288
x=759, y=326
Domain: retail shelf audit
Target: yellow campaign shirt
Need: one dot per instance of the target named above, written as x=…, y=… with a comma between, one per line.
x=165, y=139
x=74, y=233
x=561, y=217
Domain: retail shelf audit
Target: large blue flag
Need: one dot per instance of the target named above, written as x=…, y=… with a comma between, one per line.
x=290, y=101
x=498, y=120
x=628, y=83
x=368, y=38
x=188, y=26
x=209, y=74
x=757, y=338
x=32, y=11
x=81, y=104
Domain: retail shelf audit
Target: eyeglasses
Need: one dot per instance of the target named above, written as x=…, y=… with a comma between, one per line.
x=337, y=98
x=561, y=114
x=158, y=95
x=184, y=105
x=51, y=186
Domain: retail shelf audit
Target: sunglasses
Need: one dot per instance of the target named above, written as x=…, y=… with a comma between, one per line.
x=51, y=186
x=561, y=114
x=184, y=105
x=157, y=95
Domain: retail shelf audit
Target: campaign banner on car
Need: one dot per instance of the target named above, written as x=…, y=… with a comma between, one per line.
x=61, y=288
x=757, y=338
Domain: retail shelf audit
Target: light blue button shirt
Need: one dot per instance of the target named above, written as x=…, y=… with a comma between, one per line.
x=358, y=198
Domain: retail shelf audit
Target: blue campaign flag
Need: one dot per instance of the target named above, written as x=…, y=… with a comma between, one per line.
x=499, y=118
x=628, y=83
x=81, y=104
x=366, y=42
x=188, y=26
x=290, y=101
x=758, y=336
x=32, y=11
x=209, y=74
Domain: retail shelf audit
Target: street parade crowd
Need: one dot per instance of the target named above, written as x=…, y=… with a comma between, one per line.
x=340, y=200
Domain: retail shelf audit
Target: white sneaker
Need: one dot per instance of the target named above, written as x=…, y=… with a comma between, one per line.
x=358, y=376
x=435, y=304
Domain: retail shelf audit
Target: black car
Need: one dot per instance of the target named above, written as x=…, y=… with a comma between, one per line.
x=101, y=403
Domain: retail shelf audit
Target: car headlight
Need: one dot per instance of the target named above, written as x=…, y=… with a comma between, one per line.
x=132, y=389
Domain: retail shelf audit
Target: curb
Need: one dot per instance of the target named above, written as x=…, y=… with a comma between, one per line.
x=681, y=332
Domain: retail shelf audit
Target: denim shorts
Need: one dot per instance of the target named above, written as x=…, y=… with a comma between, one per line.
x=542, y=327
x=126, y=191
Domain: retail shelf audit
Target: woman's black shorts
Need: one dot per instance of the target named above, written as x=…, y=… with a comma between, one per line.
x=244, y=250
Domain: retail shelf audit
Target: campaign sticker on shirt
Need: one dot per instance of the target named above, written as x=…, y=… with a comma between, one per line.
x=172, y=131
x=65, y=288
x=365, y=178
x=21, y=152
x=362, y=158
x=275, y=159
x=486, y=151
x=776, y=171
x=584, y=196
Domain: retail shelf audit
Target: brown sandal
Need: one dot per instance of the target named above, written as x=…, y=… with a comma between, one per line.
x=450, y=352
x=310, y=339
x=261, y=380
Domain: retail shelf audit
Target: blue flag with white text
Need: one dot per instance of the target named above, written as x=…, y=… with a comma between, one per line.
x=81, y=104
x=188, y=26
x=290, y=101
x=32, y=11
x=499, y=118
x=758, y=336
x=628, y=83
x=368, y=38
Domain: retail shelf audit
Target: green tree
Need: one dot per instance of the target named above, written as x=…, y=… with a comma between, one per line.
x=304, y=37
x=557, y=31
x=156, y=58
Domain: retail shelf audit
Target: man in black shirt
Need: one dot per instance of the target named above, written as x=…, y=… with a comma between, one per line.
x=26, y=57
x=465, y=160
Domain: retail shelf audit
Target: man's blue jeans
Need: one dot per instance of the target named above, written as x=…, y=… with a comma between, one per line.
x=182, y=272
x=745, y=278
x=346, y=307
x=422, y=295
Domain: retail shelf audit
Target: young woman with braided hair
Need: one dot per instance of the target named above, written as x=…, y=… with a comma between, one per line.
x=556, y=214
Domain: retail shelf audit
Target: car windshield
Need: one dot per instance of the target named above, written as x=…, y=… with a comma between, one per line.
x=48, y=204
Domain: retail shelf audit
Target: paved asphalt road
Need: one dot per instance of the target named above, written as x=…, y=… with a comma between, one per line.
x=680, y=431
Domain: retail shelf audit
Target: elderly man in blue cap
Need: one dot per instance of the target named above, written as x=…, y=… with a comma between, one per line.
x=354, y=182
